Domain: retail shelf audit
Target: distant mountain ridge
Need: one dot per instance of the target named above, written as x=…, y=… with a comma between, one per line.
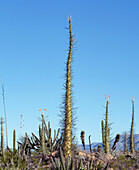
x=120, y=144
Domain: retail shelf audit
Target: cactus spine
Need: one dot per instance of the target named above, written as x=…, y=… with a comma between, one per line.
x=14, y=140
x=67, y=104
x=132, y=149
x=107, y=147
x=2, y=139
x=103, y=134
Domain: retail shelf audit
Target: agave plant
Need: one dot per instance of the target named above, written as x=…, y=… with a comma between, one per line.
x=44, y=143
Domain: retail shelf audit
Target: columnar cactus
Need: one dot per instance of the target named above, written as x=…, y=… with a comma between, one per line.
x=107, y=147
x=43, y=136
x=67, y=102
x=103, y=134
x=132, y=149
x=2, y=139
x=14, y=141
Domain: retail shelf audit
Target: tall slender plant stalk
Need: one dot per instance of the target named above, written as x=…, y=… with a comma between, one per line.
x=67, y=104
x=132, y=149
x=107, y=145
x=2, y=138
x=103, y=134
x=14, y=140
x=5, y=114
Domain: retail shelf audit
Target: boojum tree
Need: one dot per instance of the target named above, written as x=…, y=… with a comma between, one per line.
x=67, y=109
x=107, y=146
x=132, y=149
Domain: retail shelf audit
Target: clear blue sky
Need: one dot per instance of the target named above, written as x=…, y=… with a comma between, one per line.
x=33, y=52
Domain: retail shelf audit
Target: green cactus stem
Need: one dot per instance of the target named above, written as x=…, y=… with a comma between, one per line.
x=103, y=134
x=40, y=133
x=132, y=149
x=43, y=136
x=14, y=140
x=107, y=147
